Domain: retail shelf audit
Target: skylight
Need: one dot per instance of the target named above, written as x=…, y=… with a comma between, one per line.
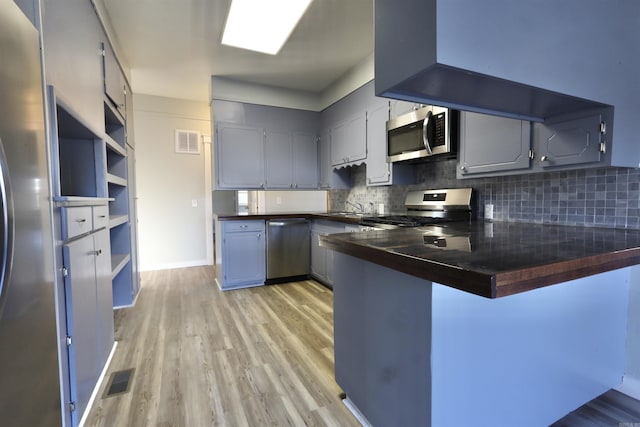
x=262, y=25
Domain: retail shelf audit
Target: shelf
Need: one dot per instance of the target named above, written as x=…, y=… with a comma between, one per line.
x=114, y=146
x=113, y=179
x=118, y=262
x=111, y=114
x=116, y=220
x=67, y=201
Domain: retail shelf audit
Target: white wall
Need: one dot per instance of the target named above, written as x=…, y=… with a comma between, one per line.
x=172, y=233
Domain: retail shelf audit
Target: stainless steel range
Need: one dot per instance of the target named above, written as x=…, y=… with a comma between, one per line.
x=426, y=207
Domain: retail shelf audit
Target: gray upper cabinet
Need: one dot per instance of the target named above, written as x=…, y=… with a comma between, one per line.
x=264, y=147
x=278, y=158
x=114, y=83
x=398, y=107
x=291, y=160
x=305, y=160
x=491, y=144
x=378, y=169
x=349, y=140
x=239, y=160
x=578, y=141
x=492, y=57
x=328, y=176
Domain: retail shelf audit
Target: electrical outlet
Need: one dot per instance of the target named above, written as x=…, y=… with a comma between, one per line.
x=194, y=203
x=488, y=211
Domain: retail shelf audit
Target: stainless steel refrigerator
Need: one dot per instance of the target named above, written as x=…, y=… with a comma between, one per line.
x=29, y=373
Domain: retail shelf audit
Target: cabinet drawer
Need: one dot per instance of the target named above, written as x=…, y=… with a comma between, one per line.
x=232, y=226
x=100, y=216
x=76, y=221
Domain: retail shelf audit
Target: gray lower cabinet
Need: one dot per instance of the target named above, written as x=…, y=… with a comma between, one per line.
x=321, y=257
x=243, y=252
x=88, y=295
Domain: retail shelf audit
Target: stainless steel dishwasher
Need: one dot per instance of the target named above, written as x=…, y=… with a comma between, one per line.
x=288, y=246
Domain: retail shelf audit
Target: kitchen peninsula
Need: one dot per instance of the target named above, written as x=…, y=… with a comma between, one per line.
x=488, y=324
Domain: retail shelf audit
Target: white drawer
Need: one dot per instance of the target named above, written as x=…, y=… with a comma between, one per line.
x=100, y=216
x=76, y=221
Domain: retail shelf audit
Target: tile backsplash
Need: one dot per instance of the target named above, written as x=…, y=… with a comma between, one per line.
x=600, y=197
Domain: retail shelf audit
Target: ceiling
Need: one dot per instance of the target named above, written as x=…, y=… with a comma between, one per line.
x=173, y=46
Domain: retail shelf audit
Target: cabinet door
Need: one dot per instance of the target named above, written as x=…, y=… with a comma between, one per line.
x=378, y=169
x=324, y=159
x=104, y=294
x=492, y=144
x=329, y=267
x=349, y=140
x=114, y=85
x=398, y=108
x=305, y=160
x=243, y=258
x=318, y=257
x=569, y=142
x=239, y=157
x=277, y=154
x=80, y=295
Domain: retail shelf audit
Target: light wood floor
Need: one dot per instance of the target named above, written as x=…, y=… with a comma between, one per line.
x=252, y=357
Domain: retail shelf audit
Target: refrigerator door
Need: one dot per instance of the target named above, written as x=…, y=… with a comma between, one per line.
x=29, y=371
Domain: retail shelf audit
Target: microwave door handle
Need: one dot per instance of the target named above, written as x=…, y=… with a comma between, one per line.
x=425, y=133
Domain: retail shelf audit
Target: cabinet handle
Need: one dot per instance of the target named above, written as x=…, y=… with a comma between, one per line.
x=81, y=220
x=102, y=216
x=244, y=226
x=259, y=236
x=98, y=252
x=463, y=168
x=544, y=158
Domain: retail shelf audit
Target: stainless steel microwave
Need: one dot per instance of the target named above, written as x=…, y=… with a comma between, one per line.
x=429, y=131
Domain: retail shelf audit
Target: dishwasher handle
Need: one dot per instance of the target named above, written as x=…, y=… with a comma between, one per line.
x=285, y=222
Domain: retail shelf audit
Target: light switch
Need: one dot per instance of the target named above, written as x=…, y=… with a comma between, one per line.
x=194, y=203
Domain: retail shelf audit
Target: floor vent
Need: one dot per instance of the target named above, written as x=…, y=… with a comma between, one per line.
x=119, y=382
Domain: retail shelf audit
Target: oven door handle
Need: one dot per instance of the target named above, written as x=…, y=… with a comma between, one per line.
x=425, y=133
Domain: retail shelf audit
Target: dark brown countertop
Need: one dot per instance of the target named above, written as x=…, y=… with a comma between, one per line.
x=344, y=217
x=494, y=259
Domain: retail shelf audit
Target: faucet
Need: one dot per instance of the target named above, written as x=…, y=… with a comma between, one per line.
x=358, y=206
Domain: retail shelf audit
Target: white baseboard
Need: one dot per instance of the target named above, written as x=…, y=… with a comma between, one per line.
x=630, y=387
x=172, y=265
x=98, y=385
x=356, y=412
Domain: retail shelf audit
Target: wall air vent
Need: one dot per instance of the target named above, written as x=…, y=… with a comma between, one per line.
x=187, y=141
